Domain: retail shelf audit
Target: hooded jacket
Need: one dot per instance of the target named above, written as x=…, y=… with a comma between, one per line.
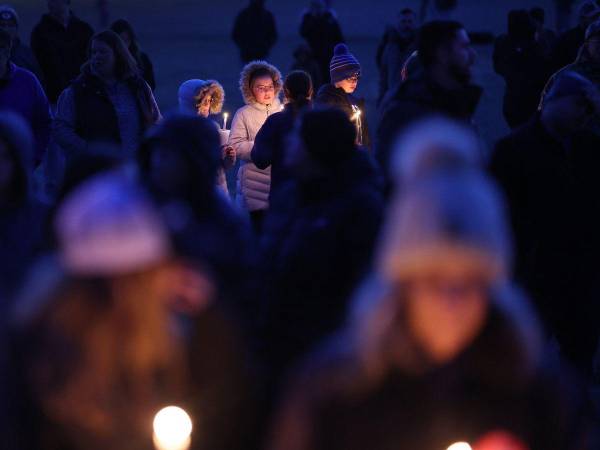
x=189, y=94
x=253, y=184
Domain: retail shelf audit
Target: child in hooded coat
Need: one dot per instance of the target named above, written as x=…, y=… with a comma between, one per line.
x=260, y=84
x=202, y=98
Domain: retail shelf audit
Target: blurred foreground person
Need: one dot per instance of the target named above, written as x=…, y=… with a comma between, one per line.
x=548, y=171
x=179, y=162
x=115, y=328
x=318, y=237
x=440, y=348
x=109, y=102
x=21, y=214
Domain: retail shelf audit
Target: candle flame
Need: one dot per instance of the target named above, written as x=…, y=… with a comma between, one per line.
x=172, y=429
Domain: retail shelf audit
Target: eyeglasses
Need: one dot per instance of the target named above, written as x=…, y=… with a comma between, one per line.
x=265, y=89
x=353, y=78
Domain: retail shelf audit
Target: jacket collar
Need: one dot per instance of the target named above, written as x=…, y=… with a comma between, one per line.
x=272, y=108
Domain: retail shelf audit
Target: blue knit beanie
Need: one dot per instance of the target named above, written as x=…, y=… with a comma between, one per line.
x=343, y=64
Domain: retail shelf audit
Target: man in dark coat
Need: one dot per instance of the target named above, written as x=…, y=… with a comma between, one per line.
x=318, y=238
x=395, y=47
x=521, y=61
x=568, y=44
x=60, y=42
x=548, y=171
x=445, y=88
x=254, y=32
x=322, y=31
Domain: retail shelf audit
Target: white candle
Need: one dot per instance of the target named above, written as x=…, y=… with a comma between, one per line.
x=172, y=429
x=460, y=446
x=225, y=116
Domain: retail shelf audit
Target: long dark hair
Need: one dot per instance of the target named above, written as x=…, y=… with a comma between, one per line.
x=298, y=88
x=125, y=64
x=122, y=26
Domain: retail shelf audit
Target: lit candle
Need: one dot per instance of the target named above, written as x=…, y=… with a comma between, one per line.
x=460, y=446
x=356, y=119
x=172, y=429
x=225, y=116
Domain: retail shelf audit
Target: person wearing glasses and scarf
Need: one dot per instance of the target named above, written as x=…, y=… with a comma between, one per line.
x=344, y=70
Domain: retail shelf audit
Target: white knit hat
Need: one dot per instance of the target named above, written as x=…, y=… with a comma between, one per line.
x=446, y=220
x=108, y=226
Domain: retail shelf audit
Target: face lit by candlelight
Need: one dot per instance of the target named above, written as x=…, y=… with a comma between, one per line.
x=349, y=84
x=263, y=90
x=203, y=105
x=446, y=310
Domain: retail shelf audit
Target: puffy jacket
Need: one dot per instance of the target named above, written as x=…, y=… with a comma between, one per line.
x=253, y=184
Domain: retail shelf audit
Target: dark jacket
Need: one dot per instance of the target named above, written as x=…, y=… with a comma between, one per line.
x=21, y=92
x=335, y=403
x=416, y=99
x=525, y=69
x=96, y=116
x=254, y=32
x=551, y=190
x=23, y=57
x=392, y=53
x=317, y=245
x=330, y=96
x=270, y=146
x=60, y=51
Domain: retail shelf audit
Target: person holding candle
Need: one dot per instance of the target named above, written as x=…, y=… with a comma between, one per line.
x=440, y=347
x=203, y=98
x=260, y=84
x=114, y=327
x=345, y=72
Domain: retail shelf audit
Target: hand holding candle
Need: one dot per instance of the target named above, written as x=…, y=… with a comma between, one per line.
x=172, y=429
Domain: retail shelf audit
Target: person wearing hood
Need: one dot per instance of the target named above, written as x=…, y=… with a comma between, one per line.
x=202, y=98
x=587, y=65
x=127, y=33
x=60, y=43
x=439, y=348
x=109, y=101
x=345, y=71
x=114, y=327
x=443, y=88
x=548, y=170
x=260, y=84
x=21, y=214
x=522, y=62
x=179, y=161
x=271, y=144
x=20, y=54
x=318, y=238
x=21, y=92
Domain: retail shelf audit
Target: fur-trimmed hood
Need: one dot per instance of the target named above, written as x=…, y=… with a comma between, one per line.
x=246, y=75
x=191, y=91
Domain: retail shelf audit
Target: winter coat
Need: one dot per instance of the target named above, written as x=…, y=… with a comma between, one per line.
x=525, y=70
x=270, y=146
x=23, y=57
x=89, y=111
x=330, y=96
x=416, y=99
x=253, y=184
x=317, y=245
x=322, y=33
x=500, y=382
x=254, y=32
x=22, y=93
x=60, y=51
x=551, y=191
x=393, y=51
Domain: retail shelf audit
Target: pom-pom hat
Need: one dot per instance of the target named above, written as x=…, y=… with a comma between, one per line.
x=343, y=64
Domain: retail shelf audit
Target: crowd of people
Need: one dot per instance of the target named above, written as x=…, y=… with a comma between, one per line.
x=394, y=287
